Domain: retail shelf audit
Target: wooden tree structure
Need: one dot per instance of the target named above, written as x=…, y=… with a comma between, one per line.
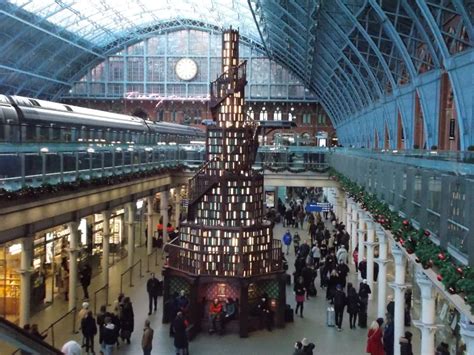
x=226, y=248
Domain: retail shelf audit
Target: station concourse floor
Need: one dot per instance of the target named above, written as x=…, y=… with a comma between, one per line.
x=328, y=340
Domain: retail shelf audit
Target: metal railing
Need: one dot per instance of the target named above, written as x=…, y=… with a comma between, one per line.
x=104, y=288
x=149, y=256
x=130, y=271
x=50, y=330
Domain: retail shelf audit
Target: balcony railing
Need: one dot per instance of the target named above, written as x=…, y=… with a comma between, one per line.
x=193, y=261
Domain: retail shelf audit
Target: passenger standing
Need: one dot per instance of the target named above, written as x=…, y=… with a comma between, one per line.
x=126, y=320
x=300, y=292
x=352, y=305
x=147, y=338
x=388, y=336
x=85, y=276
x=153, y=288
x=296, y=243
x=180, y=337
x=89, y=330
x=109, y=336
x=405, y=344
x=101, y=322
x=339, y=301
x=374, y=338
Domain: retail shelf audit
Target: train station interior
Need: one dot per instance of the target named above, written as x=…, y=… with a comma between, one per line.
x=237, y=177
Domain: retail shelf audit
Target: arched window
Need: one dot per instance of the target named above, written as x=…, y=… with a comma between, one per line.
x=277, y=114
x=263, y=116
x=250, y=113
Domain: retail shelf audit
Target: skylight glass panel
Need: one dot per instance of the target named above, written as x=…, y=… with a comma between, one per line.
x=104, y=21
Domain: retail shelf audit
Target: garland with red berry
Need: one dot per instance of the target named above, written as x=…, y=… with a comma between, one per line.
x=456, y=278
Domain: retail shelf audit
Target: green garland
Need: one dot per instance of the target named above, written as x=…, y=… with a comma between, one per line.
x=46, y=190
x=455, y=278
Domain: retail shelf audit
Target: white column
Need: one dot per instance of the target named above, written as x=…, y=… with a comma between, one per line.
x=382, y=279
x=177, y=206
x=164, y=213
x=467, y=334
x=150, y=228
x=399, y=288
x=105, y=246
x=370, y=244
x=26, y=268
x=361, y=236
x=73, y=251
x=427, y=322
x=130, y=216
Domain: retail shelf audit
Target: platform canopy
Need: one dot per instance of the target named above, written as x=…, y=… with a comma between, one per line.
x=353, y=53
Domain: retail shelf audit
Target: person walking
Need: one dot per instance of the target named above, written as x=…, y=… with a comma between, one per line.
x=374, y=338
x=296, y=243
x=300, y=292
x=153, y=286
x=85, y=276
x=89, y=330
x=339, y=301
x=147, y=338
x=287, y=238
x=126, y=320
x=180, y=337
x=352, y=305
x=101, y=322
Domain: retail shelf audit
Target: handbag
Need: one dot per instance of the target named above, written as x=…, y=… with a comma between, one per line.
x=299, y=298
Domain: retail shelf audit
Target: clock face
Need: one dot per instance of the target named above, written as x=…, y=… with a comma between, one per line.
x=186, y=69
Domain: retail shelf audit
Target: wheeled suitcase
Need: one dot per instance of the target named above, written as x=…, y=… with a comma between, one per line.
x=330, y=317
x=362, y=320
x=312, y=290
x=289, y=314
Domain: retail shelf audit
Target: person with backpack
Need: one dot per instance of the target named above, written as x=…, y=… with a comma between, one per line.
x=287, y=238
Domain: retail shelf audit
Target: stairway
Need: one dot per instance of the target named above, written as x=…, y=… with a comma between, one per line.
x=230, y=82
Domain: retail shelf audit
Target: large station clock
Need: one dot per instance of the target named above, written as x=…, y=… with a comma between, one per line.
x=186, y=69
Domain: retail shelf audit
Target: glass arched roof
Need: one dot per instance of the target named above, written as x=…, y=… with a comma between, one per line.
x=102, y=21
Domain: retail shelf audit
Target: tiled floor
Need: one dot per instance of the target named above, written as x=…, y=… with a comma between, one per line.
x=313, y=326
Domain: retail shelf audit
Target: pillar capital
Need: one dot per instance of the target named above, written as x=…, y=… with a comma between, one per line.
x=371, y=244
x=73, y=225
x=431, y=328
x=399, y=287
x=398, y=255
x=106, y=214
x=382, y=262
x=369, y=223
x=425, y=284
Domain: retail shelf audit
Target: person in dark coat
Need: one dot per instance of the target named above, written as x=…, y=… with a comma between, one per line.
x=89, y=330
x=388, y=336
x=109, y=336
x=85, y=276
x=180, y=337
x=339, y=301
x=332, y=283
x=391, y=306
x=153, y=287
x=265, y=313
x=353, y=305
x=307, y=274
x=342, y=270
x=127, y=320
x=300, y=291
x=304, y=250
x=405, y=344
x=363, y=268
x=364, y=291
x=101, y=320
x=442, y=349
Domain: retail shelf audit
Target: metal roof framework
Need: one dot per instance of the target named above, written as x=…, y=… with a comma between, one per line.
x=367, y=60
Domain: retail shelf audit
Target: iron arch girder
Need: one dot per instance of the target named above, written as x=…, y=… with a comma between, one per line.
x=337, y=66
x=355, y=72
x=392, y=32
x=422, y=31
x=451, y=66
x=429, y=87
x=466, y=19
x=354, y=49
x=334, y=99
x=342, y=97
x=39, y=28
x=415, y=78
x=369, y=40
x=330, y=98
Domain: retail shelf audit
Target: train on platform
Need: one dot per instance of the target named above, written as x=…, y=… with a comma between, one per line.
x=28, y=120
